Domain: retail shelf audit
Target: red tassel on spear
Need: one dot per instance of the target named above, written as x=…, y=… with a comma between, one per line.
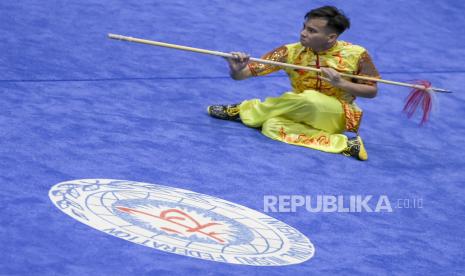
x=420, y=96
x=422, y=93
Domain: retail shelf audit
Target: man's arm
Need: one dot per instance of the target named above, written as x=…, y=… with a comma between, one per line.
x=357, y=87
x=241, y=68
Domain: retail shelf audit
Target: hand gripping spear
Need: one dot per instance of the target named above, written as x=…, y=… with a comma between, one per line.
x=421, y=94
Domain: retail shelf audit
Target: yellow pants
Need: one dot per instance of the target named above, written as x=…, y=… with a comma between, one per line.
x=310, y=119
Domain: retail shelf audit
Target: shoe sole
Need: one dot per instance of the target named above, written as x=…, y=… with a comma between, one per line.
x=363, y=154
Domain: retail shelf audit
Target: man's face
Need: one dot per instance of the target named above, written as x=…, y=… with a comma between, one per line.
x=316, y=35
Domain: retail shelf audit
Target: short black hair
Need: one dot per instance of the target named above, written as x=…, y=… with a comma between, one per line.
x=337, y=20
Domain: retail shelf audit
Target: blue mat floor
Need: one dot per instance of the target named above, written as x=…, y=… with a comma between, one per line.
x=77, y=105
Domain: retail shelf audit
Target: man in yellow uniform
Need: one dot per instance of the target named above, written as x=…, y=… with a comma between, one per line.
x=321, y=106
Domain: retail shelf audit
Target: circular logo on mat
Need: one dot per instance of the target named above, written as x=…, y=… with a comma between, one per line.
x=182, y=222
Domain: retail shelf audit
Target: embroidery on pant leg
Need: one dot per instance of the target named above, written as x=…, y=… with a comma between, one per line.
x=352, y=117
x=303, y=139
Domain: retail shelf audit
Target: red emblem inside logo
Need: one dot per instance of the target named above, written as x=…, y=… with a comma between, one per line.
x=179, y=222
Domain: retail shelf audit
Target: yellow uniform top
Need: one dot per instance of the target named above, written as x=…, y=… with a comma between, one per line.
x=343, y=57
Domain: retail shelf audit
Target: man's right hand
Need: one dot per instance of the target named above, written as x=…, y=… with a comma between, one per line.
x=237, y=64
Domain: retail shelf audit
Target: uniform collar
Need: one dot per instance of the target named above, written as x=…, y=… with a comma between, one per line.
x=333, y=48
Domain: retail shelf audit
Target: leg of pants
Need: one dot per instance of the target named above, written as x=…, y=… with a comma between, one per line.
x=310, y=119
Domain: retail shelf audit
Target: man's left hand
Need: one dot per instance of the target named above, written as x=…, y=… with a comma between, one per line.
x=332, y=76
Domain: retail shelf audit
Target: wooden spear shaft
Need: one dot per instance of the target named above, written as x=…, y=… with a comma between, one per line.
x=264, y=61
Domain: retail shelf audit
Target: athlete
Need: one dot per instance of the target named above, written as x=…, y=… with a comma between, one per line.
x=321, y=106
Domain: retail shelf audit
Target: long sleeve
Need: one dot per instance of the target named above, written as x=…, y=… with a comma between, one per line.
x=259, y=69
x=366, y=68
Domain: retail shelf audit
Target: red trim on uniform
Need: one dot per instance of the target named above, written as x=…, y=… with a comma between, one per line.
x=318, y=82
